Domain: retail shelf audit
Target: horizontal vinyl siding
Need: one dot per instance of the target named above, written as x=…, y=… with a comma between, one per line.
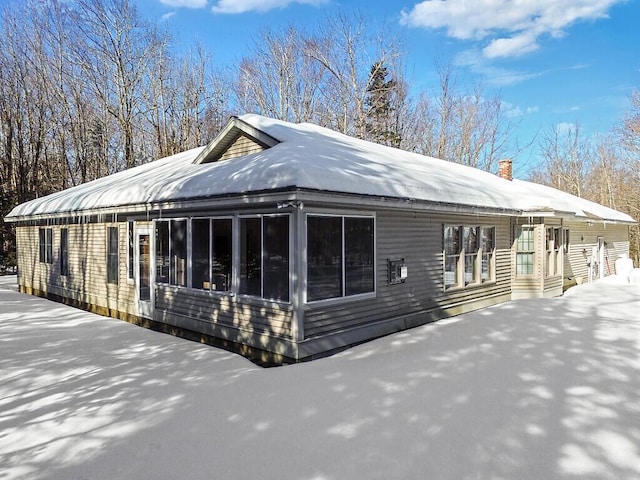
x=173, y=303
x=416, y=237
x=584, y=237
x=87, y=279
x=243, y=145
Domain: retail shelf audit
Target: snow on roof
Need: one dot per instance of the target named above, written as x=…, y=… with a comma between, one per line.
x=307, y=157
x=540, y=197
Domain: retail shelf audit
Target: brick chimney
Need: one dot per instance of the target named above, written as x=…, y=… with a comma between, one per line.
x=505, y=169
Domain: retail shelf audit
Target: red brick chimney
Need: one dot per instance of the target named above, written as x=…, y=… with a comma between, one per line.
x=505, y=169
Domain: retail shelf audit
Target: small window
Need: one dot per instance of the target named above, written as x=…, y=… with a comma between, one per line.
x=525, y=249
x=112, y=255
x=46, y=245
x=64, y=252
x=130, y=250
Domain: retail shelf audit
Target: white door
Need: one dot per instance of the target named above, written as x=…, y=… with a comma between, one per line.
x=144, y=274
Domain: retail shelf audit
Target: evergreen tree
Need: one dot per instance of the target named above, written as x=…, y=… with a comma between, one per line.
x=379, y=116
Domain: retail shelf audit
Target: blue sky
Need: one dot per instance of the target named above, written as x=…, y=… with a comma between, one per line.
x=553, y=62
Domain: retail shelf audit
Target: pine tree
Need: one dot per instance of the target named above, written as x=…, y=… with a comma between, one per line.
x=380, y=111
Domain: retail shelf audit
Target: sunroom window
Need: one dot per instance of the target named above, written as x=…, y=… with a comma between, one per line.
x=211, y=253
x=264, y=257
x=340, y=256
x=487, y=247
x=46, y=245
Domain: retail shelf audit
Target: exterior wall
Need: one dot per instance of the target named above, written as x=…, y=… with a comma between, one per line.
x=261, y=324
x=584, y=239
x=418, y=238
x=86, y=282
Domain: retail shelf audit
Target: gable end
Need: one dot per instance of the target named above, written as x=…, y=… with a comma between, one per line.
x=236, y=139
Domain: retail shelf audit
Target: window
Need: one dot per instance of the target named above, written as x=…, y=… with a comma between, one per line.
x=324, y=257
x=130, y=244
x=64, y=252
x=178, y=250
x=487, y=247
x=162, y=251
x=250, y=256
x=470, y=246
x=340, y=256
x=451, y=255
x=211, y=254
x=525, y=248
x=469, y=252
x=201, y=253
x=264, y=257
x=46, y=245
x=553, y=265
x=112, y=255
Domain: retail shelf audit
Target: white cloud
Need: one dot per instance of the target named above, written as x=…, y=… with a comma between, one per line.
x=242, y=6
x=185, y=3
x=512, y=28
x=491, y=75
x=167, y=16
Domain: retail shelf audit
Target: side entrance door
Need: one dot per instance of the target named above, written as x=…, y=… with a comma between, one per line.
x=144, y=274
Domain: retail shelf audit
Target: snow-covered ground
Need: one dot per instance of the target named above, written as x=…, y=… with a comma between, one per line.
x=535, y=389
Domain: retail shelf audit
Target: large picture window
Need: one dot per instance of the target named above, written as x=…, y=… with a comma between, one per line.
x=264, y=257
x=340, y=256
x=525, y=250
x=112, y=254
x=46, y=245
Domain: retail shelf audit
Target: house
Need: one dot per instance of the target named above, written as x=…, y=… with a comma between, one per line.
x=288, y=241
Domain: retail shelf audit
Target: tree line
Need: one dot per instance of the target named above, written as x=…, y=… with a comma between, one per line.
x=88, y=88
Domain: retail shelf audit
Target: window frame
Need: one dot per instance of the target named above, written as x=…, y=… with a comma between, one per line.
x=64, y=252
x=343, y=297
x=131, y=240
x=45, y=245
x=230, y=280
x=490, y=254
x=238, y=256
x=113, y=277
x=529, y=252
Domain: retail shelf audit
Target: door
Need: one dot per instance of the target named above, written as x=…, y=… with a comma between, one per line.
x=144, y=273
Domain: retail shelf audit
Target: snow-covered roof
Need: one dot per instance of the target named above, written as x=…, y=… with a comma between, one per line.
x=307, y=156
